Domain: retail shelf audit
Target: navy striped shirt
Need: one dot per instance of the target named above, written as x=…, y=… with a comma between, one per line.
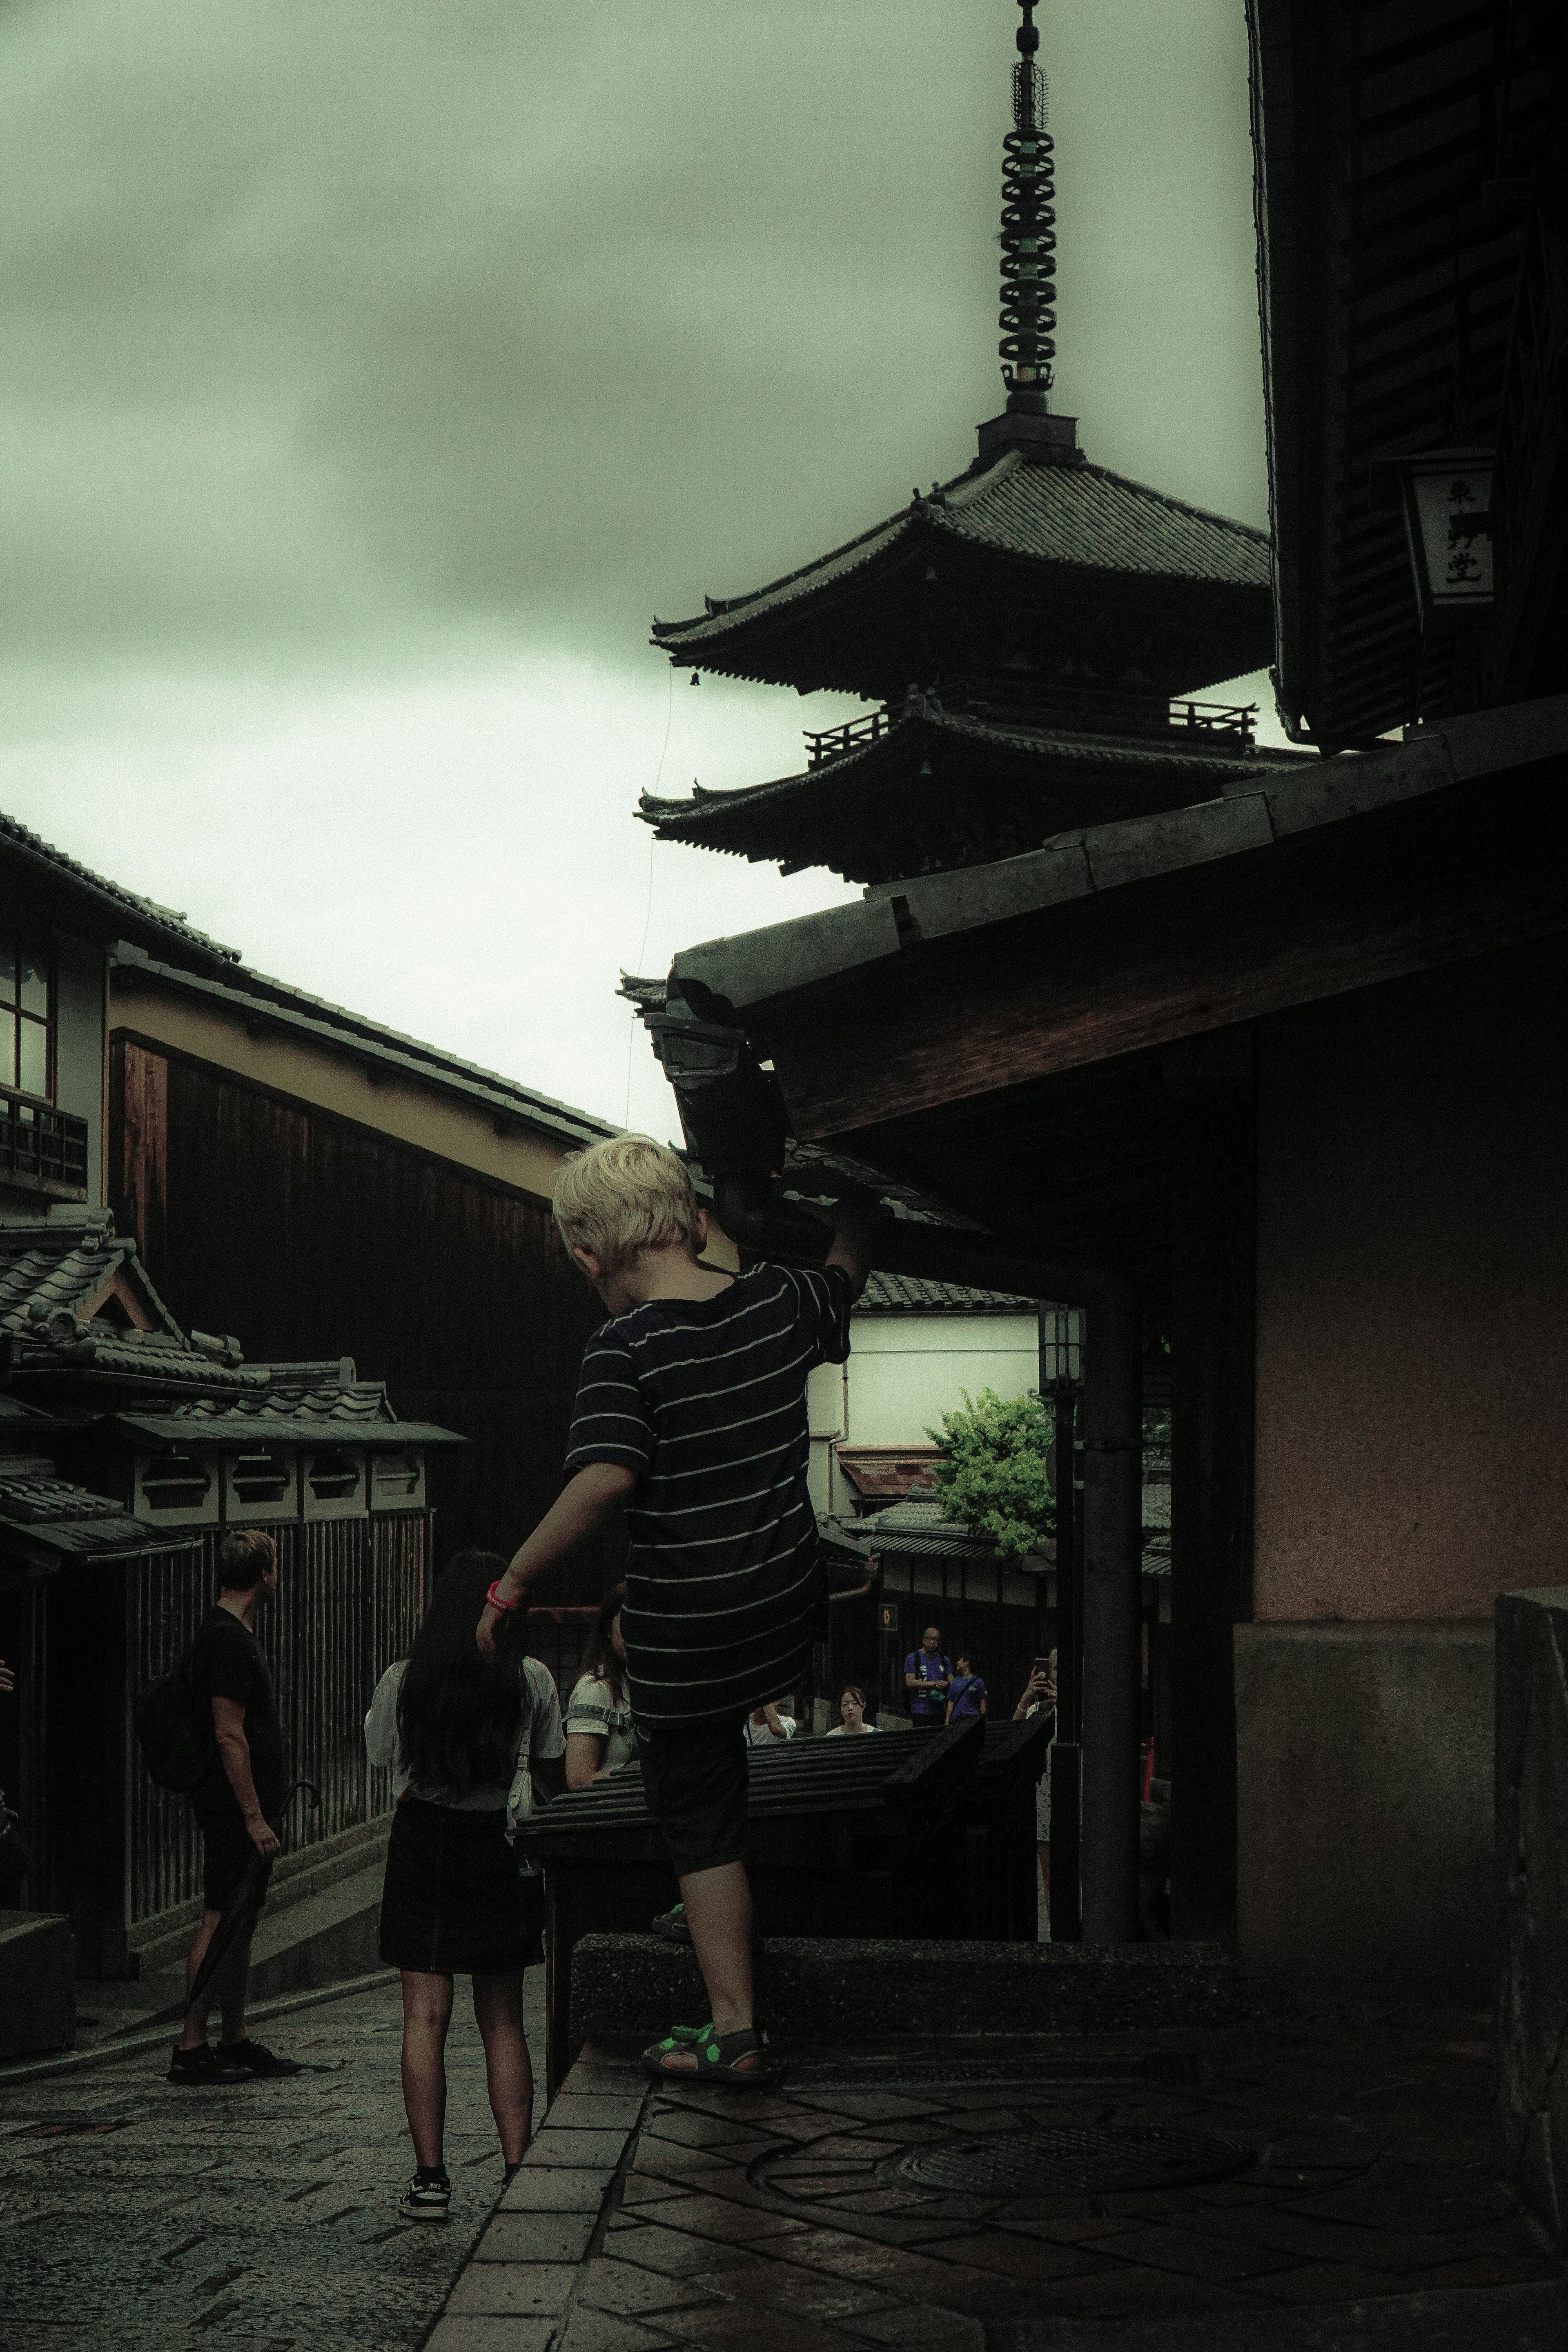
x=705, y=1399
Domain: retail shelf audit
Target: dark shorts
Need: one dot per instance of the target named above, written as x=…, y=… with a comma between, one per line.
x=227, y=1847
x=694, y=1778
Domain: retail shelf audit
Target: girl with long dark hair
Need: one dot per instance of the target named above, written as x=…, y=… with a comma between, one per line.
x=466, y=1737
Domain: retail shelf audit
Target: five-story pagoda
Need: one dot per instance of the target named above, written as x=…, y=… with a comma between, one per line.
x=1033, y=631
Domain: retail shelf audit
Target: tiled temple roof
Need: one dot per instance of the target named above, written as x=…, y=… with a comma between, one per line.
x=940, y=789
x=1080, y=516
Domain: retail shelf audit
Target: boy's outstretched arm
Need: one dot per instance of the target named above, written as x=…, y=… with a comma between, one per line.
x=583, y=1504
x=853, y=1226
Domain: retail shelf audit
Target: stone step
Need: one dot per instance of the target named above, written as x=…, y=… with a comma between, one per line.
x=38, y=1982
x=846, y=1989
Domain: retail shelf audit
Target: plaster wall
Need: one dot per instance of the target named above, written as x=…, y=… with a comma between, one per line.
x=904, y=1373
x=1413, y=1294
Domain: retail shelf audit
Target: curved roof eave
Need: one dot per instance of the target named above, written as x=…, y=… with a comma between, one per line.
x=953, y=508
x=711, y=805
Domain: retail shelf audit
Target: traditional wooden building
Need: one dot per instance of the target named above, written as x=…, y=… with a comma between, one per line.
x=127, y=1447
x=1035, y=631
x=395, y=1204
x=187, y=1148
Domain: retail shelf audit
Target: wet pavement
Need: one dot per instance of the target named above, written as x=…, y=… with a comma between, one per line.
x=1361, y=2203
x=261, y=2215
x=798, y=2220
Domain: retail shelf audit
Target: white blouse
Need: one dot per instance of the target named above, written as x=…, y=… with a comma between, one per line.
x=538, y=1738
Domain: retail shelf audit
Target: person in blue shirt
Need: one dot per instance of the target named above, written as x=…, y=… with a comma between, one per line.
x=927, y=1675
x=965, y=1692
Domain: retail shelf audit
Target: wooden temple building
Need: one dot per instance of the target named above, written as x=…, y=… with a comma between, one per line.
x=1259, y=1065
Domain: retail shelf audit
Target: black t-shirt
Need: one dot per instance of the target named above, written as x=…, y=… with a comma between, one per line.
x=228, y=1662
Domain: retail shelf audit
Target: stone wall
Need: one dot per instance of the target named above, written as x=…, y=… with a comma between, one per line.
x=1533, y=1896
x=1412, y=1295
x=1364, y=1809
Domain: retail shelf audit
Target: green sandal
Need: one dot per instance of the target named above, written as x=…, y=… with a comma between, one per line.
x=715, y=2055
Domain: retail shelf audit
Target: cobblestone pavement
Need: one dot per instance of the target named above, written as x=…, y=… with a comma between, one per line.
x=781, y=2222
x=262, y=2215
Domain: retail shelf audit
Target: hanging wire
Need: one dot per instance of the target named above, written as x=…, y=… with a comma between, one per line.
x=647, y=908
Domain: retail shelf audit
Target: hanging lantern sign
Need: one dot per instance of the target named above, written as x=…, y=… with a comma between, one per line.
x=1448, y=497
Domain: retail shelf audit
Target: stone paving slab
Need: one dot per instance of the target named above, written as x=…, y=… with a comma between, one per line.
x=779, y=2221
x=139, y=2217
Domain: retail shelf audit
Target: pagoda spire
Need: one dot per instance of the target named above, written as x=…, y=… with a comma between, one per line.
x=1028, y=235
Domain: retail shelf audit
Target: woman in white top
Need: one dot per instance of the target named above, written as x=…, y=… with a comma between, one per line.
x=852, y=1707
x=766, y=1727
x=599, y=1714
x=465, y=1738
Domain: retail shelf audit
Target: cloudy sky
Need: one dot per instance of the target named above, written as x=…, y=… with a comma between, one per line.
x=371, y=371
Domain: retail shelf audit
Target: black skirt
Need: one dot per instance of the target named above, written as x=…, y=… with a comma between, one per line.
x=452, y=1903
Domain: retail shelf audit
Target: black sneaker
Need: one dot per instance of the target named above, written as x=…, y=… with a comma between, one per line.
x=248, y=2057
x=426, y=2197
x=671, y=1925
x=200, y=2067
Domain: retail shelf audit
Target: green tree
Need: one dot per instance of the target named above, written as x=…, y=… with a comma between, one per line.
x=993, y=1476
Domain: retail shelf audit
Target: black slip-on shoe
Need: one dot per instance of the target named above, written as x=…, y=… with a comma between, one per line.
x=254, y=2058
x=199, y=2066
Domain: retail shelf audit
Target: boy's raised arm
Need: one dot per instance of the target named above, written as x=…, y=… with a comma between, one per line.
x=583, y=1504
x=853, y=1225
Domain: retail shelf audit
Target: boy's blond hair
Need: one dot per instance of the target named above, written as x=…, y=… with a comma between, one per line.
x=620, y=1198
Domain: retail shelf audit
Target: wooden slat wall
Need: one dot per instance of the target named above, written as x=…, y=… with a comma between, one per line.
x=307, y=1237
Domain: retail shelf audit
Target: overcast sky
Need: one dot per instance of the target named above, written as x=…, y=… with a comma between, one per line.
x=371, y=370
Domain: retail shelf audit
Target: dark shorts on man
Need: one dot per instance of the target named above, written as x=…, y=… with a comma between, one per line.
x=227, y=1847
x=694, y=1778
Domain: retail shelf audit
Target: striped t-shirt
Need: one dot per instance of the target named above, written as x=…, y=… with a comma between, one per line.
x=705, y=1399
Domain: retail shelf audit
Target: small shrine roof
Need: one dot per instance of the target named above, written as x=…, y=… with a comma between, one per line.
x=63, y=1276
x=76, y=1308
x=53, y=1520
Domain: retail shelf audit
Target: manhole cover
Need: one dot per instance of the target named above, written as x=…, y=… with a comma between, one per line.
x=1075, y=2159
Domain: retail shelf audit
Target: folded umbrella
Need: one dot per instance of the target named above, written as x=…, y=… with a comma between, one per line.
x=239, y=1912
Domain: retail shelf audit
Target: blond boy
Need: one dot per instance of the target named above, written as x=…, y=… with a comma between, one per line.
x=692, y=1412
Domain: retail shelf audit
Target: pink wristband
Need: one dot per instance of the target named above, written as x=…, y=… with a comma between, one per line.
x=494, y=1600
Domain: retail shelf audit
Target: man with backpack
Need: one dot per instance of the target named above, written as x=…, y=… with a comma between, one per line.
x=238, y=1798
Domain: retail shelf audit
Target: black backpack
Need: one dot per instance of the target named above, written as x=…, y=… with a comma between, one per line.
x=174, y=1740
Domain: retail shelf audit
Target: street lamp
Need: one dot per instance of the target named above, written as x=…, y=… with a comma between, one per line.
x=1061, y=1379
